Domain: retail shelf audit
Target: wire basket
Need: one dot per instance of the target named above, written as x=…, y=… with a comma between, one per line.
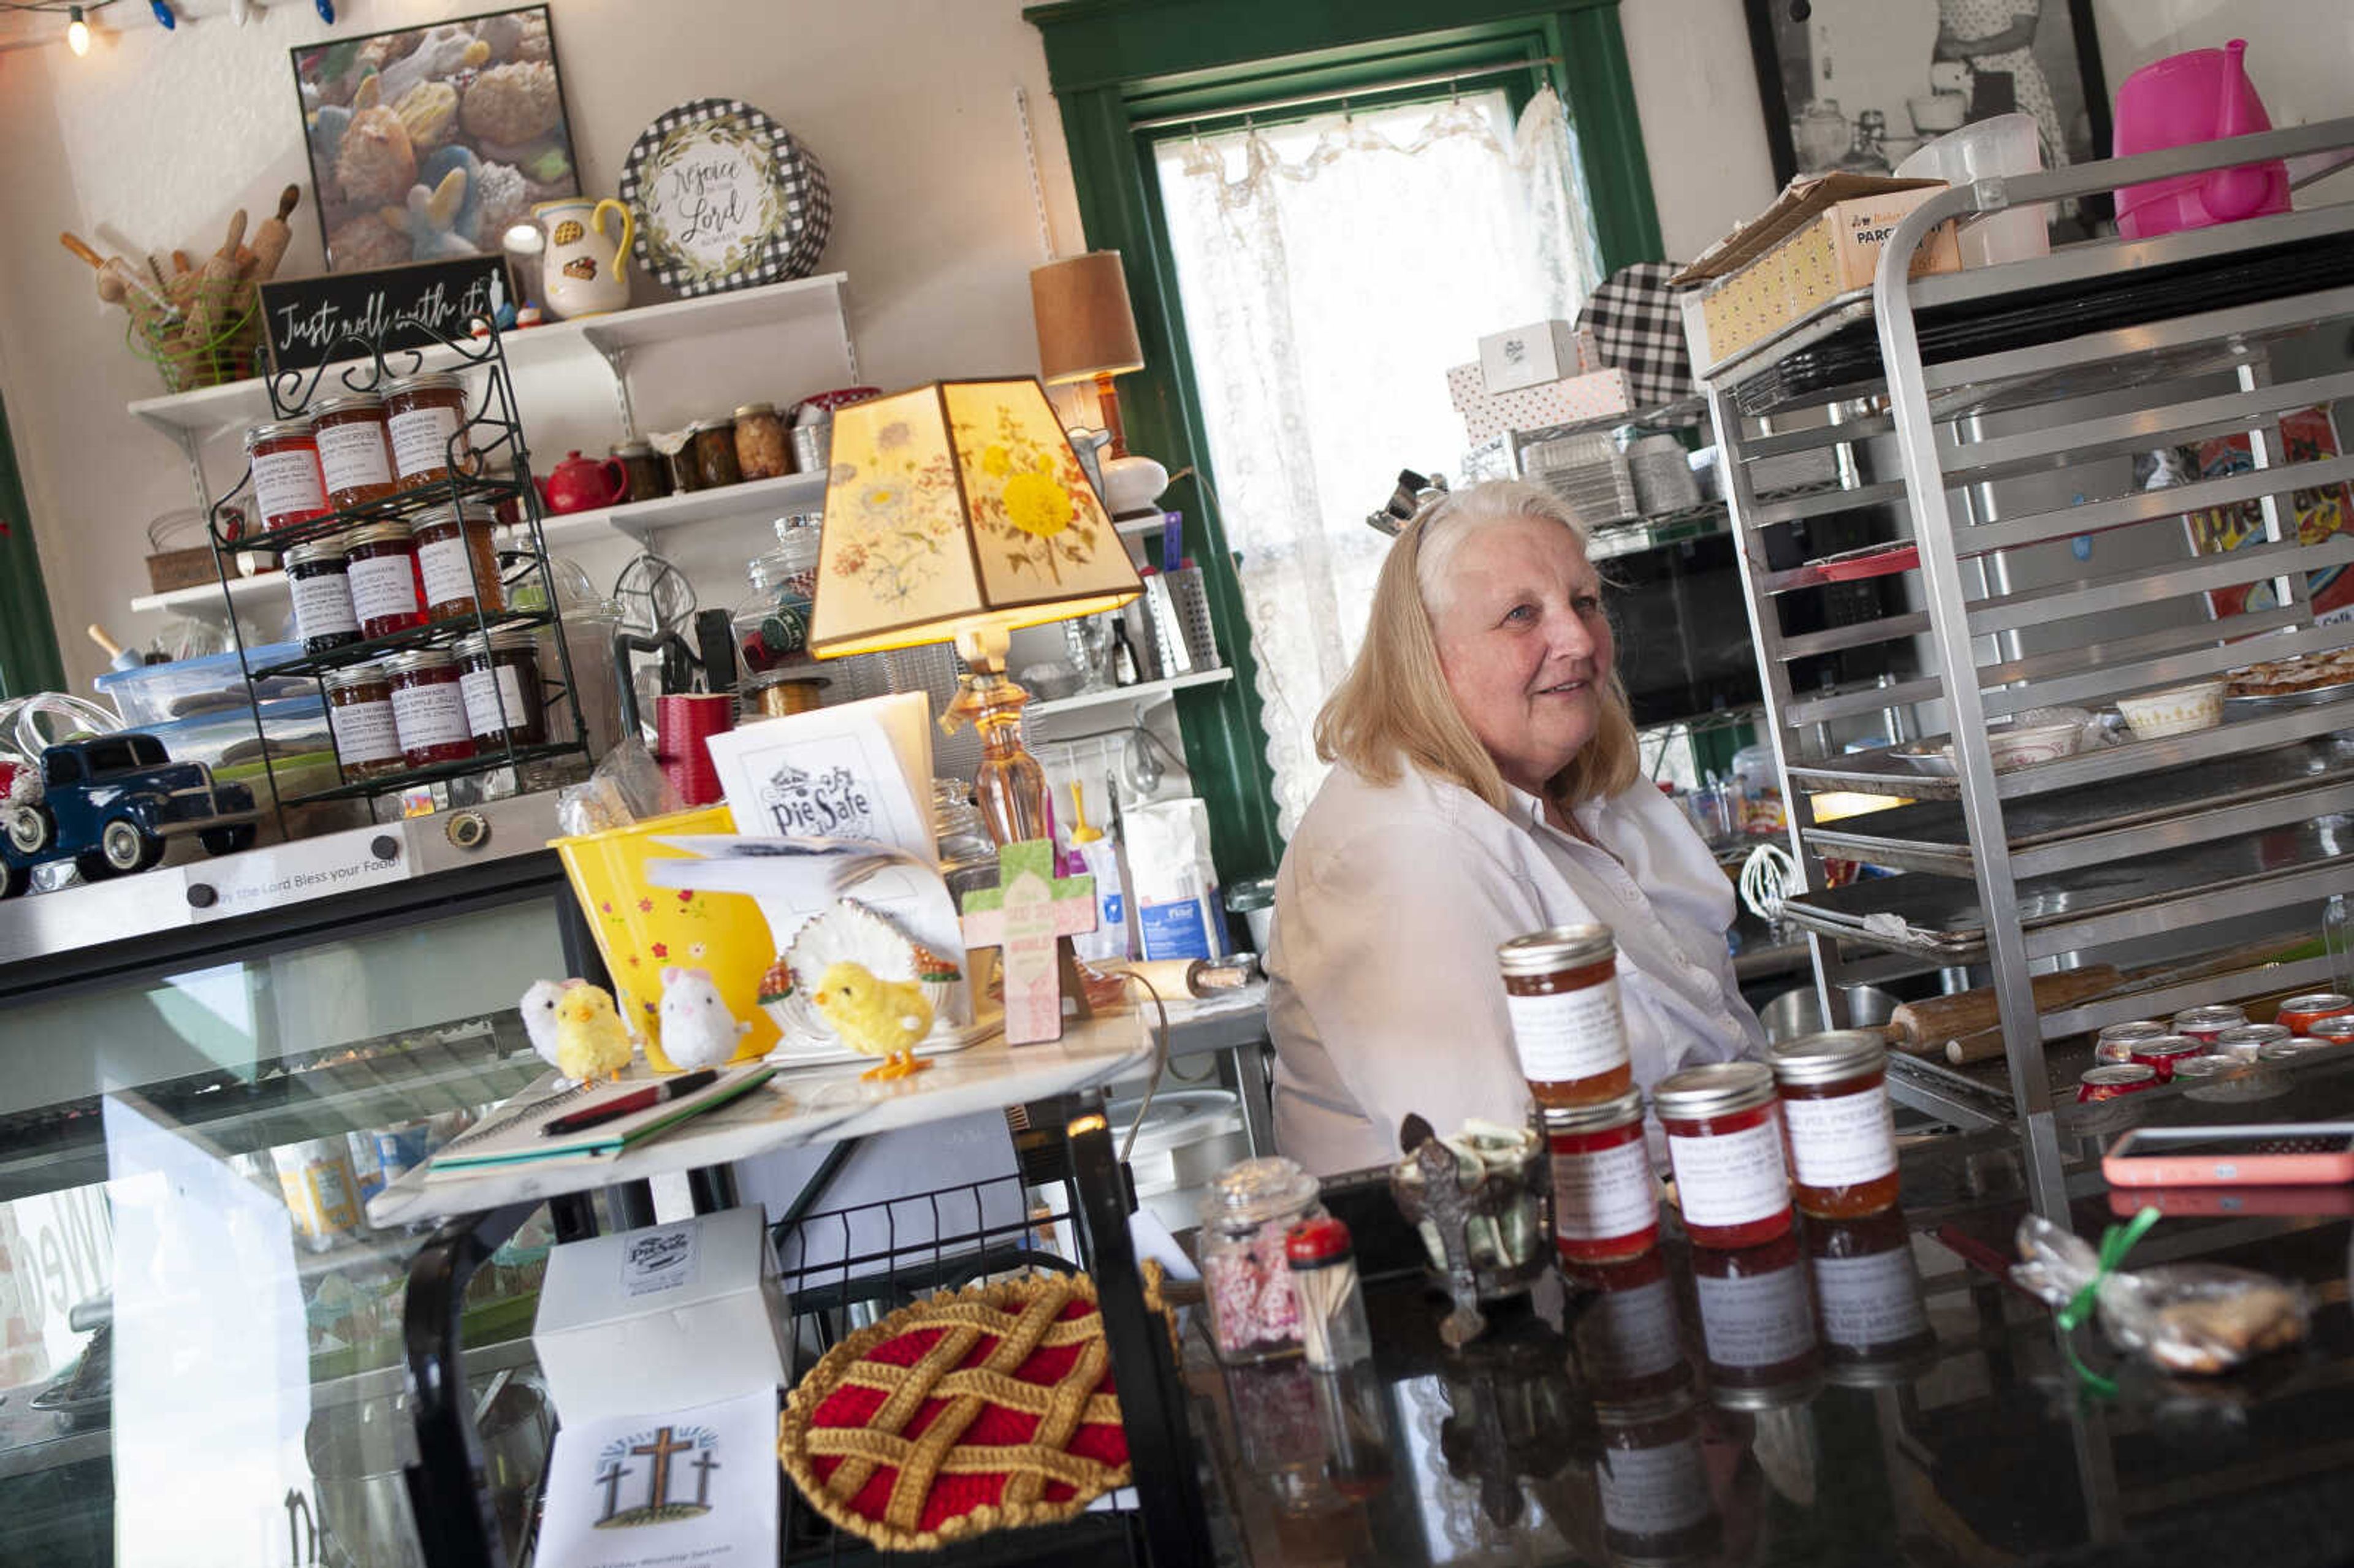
x=228, y=355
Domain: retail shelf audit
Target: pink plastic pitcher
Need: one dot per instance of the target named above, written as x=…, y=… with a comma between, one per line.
x=2203, y=95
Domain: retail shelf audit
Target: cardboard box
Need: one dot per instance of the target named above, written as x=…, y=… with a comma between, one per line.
x=661, y=1318
x=1532, y=355
x=1820, y=238
x=1566, y=402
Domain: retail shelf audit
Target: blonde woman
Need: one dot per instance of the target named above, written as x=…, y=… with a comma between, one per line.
x=1486, y=784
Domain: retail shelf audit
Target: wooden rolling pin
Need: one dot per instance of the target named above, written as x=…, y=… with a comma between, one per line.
x=1925, y=1026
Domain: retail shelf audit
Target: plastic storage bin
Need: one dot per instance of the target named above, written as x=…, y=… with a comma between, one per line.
x=186, y=688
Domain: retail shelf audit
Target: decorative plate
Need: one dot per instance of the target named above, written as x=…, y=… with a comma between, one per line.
x=725, y=198
x=990, y=1409
x=851, y=932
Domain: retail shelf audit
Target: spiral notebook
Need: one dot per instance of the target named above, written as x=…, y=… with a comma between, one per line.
x=514, y=1134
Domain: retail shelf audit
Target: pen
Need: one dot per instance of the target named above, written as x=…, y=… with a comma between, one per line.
x=637, y=1100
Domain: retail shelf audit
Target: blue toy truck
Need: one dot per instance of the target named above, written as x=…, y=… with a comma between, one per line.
x=109, y=804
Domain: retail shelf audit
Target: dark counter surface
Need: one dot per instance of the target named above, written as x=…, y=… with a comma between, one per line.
x=1867, y=1393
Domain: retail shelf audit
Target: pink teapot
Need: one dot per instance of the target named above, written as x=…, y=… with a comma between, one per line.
x=584, y=484
x=2202, y=96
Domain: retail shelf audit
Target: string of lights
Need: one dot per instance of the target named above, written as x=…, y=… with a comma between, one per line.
x=76, y=15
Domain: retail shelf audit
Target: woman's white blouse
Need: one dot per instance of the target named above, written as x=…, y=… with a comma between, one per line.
x=1389, y=907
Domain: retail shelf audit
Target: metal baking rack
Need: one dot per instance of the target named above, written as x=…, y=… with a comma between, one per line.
x=487, y=463
x=1992, y=451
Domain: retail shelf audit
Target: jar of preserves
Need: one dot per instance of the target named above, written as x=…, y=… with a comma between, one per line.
x=498, y=675
x=2115, y=1041
x=760, y=449
x=429, y=707
x=714, y=443
x=1249, y=1210
x=387, y=594
x=1835, y=1113
x=425, y=420
x=359, y=718
x=287, y=485
x=678, y=453
x=457, y=560
x=1725, y=1144
x=2298, y=1014
x=649, y=476
x=1653, y=1480
x=1756, y=1326
x=1606, y=1202
x=2160, y=1055
x=1561, y=989
x=317, y=579
x=1868, y=1295
x=2203, y=1023
x=2114, y=1081
x=1626, y=1341
x=2244, y=1041
x=355, y=453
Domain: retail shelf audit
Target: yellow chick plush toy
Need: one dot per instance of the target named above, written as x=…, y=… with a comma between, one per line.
x=876, y=1017
x=591, y=1040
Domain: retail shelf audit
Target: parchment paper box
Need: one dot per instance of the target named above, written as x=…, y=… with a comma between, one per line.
x=662, y=1318
x=1820, y=238
x=1539, y=351
x=1534, y=408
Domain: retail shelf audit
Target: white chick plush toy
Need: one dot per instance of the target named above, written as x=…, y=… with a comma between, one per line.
x=538, y=1006
x=697, y=1030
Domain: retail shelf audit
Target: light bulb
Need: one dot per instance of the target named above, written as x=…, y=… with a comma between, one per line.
x=77, y=32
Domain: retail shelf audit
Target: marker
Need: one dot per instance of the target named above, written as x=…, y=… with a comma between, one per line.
x=637, y=1100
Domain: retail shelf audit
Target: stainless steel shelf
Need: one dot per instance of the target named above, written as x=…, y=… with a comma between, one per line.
x=2154, y=585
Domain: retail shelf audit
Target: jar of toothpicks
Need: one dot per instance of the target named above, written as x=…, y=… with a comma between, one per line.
x=1332, y=1332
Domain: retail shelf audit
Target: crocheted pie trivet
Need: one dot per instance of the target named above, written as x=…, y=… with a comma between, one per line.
x=984, y=1410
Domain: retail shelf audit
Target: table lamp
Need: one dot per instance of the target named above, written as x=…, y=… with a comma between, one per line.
x=1086, y=333
x=958, y=511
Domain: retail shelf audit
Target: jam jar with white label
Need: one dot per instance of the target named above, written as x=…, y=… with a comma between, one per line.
x=1835, y=1113
x=317, y=576
x=457, y=560
x=382, y=570
x=287, y=485
x=428, y=708
x=425, y=419
x=1561, y=990
x=359, y=717
x=1757, y=1323
x=1606, y=1202
x=354, y=452
x=1725, y=1144
x=1657, y=1505
x=1868, y=1296
x=498, y=675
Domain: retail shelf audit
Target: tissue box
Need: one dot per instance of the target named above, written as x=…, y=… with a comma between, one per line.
x=1534, y=408
x=662, y=1318
x=1529, y=355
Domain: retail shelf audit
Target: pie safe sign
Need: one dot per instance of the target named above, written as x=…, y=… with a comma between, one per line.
x=725, y=199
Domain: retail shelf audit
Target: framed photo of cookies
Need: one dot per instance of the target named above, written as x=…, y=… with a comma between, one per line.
x=428, y=143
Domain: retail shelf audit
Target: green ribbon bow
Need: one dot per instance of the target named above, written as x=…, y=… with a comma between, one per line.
x=2116, y=1242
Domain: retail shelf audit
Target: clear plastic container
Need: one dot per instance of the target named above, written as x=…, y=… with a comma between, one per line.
x=160, y=693
x=772, y=621
x=1247, y=1213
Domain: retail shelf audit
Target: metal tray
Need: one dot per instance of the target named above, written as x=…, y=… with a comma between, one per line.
x=2271, y=702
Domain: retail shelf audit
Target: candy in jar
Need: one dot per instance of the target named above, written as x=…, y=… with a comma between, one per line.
x=1250, y=1209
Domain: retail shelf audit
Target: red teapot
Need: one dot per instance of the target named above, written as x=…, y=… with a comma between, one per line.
x=584, y=484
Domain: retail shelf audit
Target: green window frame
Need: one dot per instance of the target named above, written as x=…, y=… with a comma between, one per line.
x=28, y=638
x=1114, y=64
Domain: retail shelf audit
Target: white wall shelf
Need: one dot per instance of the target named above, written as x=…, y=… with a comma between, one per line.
x=203, y=601
x=640, y=520
x=1140, y=693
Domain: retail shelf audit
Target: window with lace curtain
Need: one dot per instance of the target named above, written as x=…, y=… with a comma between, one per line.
x=1331, y=271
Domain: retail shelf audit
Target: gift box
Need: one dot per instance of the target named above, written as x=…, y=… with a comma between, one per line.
x=1532, y=355
x=1591, y=396
x=661, y=1318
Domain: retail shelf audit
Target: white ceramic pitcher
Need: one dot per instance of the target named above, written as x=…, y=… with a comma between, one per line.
x=584, y=269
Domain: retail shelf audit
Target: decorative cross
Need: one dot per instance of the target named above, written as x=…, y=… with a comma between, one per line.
x=1025, y=915
x=661, y=1449
x=612, y=1481
x=704, y=1465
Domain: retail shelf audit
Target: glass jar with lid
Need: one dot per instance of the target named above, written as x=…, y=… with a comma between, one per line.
x=355, y=453
x=287, y=485
x=1724, y=1145
x=760, y=449
x=498, y=677
x=1835, y=1114
x=772, y=621
x=429, y=707
x=1254, y=1315
x=387, y=593
x=457, y=560
x=1561, y=989
x=1606, y=1202
x=425, y=420
x=360, y=719
x=317, y=579
x=714, y=443
x=649, y=475
x=1756, y=1324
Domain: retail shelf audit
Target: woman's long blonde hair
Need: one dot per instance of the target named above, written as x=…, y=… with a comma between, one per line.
x=1395, y=706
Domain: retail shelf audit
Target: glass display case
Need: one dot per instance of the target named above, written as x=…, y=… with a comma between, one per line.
x=193, y=1310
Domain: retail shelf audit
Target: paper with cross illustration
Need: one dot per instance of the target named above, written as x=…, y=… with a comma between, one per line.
x=1023, y=916
x=684, y=1486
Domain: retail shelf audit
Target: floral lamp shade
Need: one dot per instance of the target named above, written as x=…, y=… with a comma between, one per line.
x=958, y=507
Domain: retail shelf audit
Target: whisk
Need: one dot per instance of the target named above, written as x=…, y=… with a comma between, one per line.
x=1765, y=880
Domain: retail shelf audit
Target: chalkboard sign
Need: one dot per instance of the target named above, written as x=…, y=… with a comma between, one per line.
x=336, y=315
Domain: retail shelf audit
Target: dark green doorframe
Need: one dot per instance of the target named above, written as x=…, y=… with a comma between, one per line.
x=1114, y=62
x=28, y=638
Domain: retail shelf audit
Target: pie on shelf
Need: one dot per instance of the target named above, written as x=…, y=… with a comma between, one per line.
x=988, y=1409
x=2306, y=672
